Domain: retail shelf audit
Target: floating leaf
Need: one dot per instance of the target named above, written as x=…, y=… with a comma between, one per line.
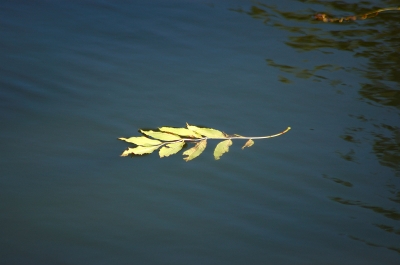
x=161, y=135
x=181, y=131
x=248, y=143
x=207, y=132
x=141, y=140
x=195, y=151
x=171, y=140
x=171, y=149
x=222, y=148
x=140, y=150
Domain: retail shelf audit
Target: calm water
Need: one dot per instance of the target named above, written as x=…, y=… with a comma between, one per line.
x=76, y=75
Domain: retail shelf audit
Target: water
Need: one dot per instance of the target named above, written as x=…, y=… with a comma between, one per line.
x=76, y=75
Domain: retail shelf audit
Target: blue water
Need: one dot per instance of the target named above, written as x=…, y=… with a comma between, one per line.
x=76, y=75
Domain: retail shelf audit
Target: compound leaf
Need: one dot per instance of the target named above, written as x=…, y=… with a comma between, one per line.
x=171, y=140
x=161, y=135
x=140, y=150
x=248, y=143
x=141, y=140
x=171, y=149
x=207, y=132
x=195, y=151
x=181, y=132
x=222, y=148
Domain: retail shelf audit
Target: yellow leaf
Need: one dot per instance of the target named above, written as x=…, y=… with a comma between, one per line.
x=195, y=151
x=171, y=149
x=207, y=132
x=248, y=143
x=181, y=131
x=222, y=148
x=161, y=135
x=141, y=140
x=140, y=150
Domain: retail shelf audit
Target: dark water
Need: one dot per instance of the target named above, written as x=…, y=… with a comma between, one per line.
x=76, y=75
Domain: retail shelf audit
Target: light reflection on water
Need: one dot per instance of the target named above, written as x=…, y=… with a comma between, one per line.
x=76, y=76
x=376, y=42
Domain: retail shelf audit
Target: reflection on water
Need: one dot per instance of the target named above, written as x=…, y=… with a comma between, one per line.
x=339, y=181
x=307, y=73
x=372, y=47
x=388, y=213
x=387, y=148
x=388, y=228
x=375, y=39
x=392, y=214
x=369, y=243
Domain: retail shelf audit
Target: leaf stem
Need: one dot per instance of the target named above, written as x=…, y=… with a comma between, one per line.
x=232, y=137
x=259, y=137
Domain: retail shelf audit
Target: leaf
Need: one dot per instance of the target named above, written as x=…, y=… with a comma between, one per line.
x=181, y=131
x=195, y=151
x=171, y=149
x=161, y=135
x=248, y=143
x=207, y=132
x=222, y=148
x=171, y=140
x=140, y=150
x=141, y=140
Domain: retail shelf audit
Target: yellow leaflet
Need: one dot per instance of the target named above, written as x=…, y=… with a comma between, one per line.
x=207, y=132
x=171, y=149
x=161, y=135
x=222, y=148
x=140, y=150
x=248, y=143
x=181, y=131
x=141, y=140
x=195, y=151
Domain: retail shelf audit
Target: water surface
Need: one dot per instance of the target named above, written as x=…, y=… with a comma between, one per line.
x=76, y=75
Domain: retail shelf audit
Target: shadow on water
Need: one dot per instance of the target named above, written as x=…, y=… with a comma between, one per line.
x=373, y=41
